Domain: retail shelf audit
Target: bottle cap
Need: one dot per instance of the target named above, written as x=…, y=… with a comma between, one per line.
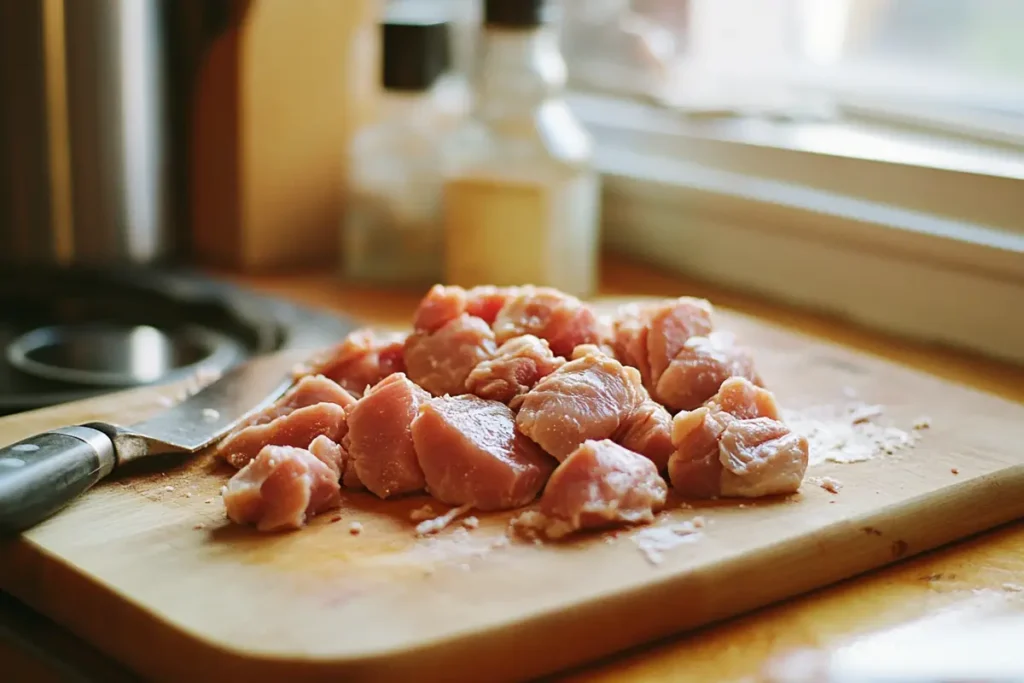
x=516, y=13
x=415, y=52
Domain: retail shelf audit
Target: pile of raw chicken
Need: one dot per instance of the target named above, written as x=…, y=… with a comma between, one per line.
x=501, y=396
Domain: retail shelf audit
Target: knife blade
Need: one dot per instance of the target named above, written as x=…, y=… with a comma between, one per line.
x=41, y=474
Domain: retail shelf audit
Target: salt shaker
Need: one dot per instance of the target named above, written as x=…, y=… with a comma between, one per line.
x=521, y=194
x=391, y=227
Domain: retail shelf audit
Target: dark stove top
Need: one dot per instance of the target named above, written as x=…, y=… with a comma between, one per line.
x=71, y=334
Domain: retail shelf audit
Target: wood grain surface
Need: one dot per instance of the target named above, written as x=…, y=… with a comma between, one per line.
x=200, y=603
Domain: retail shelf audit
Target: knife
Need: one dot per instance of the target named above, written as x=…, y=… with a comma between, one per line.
x=40, y=475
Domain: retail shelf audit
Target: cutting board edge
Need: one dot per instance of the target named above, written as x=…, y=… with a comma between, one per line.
x=212, y=658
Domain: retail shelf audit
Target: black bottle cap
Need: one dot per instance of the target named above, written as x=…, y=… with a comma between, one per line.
x=515, y=13
x=415, y=52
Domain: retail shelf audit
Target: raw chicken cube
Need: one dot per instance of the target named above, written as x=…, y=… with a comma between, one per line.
x=563, y=320
x=308, y=391
x=485, y=301
x=379, y=439
x=329, y=453
x=439, y=307
x=281, y=489
x=441, y=361
x=670, y=326
x=629, y=338
x=735, y=446
x=699, y=369
x=743, y=399
x=761, y=457
x=648, y=431
x=472, y=454
x=443, y=304
x=361, y=360
x=695, y=466
x=681, y=360
x=590, y=397
x=316, y=389
x=335, y=456
x=298, y=428
x=601, y=484
x=517, y=366
x=243, y=443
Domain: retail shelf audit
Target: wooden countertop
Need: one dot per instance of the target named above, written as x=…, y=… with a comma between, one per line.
x=984, y=573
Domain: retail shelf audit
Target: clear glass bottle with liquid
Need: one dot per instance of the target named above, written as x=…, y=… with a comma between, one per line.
x=391, y=230
x=521, y=194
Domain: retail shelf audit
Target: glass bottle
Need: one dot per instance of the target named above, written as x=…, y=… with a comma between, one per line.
x=521, y=195
x=391, y=229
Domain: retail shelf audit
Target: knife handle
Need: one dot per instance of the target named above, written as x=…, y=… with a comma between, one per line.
x=43, y=473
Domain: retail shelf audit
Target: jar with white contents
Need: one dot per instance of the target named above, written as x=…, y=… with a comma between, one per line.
x=391, y=227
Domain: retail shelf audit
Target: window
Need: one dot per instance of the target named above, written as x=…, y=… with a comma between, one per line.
x=861, y=157
x=943, y=60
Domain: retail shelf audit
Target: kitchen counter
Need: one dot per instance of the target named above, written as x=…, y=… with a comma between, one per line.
x=984, y=573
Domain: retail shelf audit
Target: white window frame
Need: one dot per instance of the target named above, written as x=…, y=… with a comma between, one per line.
x=928, y=246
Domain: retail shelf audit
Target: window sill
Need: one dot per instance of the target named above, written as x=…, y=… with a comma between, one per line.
x=928, y=246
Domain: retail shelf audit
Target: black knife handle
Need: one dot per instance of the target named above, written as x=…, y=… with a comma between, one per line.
x=43, y=473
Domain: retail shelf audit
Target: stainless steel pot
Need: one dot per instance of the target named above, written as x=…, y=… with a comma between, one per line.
x=93, y=121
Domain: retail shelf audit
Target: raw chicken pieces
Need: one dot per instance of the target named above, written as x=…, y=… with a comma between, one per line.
x=736, y=446
x=601, y=484
x=590, y=397
x=699, y=369
x=503, y=394
x=330, y=454
x=669, y=326
x=485, y=302
x=629, y=338
x=472, y=454
x=297, y=428
x=308, y=391
x=441, y=361
x=762, y=457
x=443, y=304
x=563, y=320
x=440, y=306
x=516, y=367
x=681, y=359
x=379, y=439
x=648, y=431
x=457, y=330
x=315, y=406
x=361, y=360
x=744, y=400
x=283, y=487
x=335, y=456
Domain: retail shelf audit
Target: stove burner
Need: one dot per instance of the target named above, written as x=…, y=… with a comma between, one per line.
x=121, y=356
x=69, y=334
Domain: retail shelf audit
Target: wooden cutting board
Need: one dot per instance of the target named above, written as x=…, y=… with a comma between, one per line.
x=147, y=568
